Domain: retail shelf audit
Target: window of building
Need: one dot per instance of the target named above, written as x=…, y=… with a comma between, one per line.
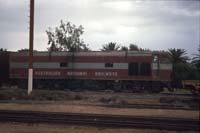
x=108, y=64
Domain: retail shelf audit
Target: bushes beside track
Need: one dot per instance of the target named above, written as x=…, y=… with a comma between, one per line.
x=40, y=95
x=113, y=100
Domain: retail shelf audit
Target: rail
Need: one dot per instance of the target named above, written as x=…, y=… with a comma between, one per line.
x=117, y=121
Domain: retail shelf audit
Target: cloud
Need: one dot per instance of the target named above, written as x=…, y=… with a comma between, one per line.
x=119, y=5
x=150, y=24
x=14, y=16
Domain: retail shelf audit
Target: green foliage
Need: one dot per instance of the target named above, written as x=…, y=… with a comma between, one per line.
x=112, y=99
x=196, y=59
x=38, y=95
x=66, y=37
x=3, y=50
x=185, y=71
x=133, y=47
x=124, y=48
x=78, y=97
x=178, y=56
x=85, y=47
x=182, y=70
x=111, y=46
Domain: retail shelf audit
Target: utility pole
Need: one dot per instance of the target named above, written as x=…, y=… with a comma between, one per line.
x=31, y=38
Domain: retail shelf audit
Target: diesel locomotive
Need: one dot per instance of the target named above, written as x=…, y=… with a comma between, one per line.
x=135, y=71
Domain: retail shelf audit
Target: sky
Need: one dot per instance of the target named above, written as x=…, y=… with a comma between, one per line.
x=151, y=24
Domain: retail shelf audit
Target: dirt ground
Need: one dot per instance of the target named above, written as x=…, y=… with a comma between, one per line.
x=44, y=128
x=90, y=102
x=71, y=108
x=95, y=97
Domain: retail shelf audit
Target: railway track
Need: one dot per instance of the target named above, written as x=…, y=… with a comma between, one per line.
x=118, y=121
x=152, y=106
x=127, y=105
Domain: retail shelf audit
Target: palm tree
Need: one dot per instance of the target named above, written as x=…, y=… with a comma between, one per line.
x=196, y=59
x=179, y=61
x=178, y=56
x=111, y=46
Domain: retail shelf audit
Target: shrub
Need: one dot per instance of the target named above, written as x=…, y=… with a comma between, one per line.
x=112, y=99
x=78, y=97
x=109, y=91
x=166, y=100
x=104, y=100
x=122, y=102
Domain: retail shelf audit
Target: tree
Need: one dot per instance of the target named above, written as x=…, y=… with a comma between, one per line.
x=85, y=47
x=3, y=50
x=111, y=46
x=25, y=50
x=133, y=47
x=185, y=71
x=196, y=59
x=124, y=48
x=178, y=56
x=52, y=41
x=182, y=70
x=66, y=37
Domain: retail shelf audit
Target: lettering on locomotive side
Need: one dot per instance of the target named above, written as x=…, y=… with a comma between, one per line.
x=109, y=74
x=77, y=73
x=47, y=73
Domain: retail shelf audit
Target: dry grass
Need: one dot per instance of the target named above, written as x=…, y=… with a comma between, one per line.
x=15, y=94
x=38, y=95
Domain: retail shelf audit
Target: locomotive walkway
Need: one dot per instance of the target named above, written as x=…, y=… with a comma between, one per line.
x=119, y=121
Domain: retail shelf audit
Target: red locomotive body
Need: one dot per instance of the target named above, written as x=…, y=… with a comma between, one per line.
x=129, y=67
x=93, y=65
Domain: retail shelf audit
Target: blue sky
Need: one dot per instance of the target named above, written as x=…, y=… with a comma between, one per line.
x=153, y=24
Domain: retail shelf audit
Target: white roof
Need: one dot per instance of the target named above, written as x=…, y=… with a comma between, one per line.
x=88, y=53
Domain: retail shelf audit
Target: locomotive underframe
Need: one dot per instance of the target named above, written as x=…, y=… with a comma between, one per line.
x=95, y=85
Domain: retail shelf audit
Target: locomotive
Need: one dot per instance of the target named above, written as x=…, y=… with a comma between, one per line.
x=135, y=71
